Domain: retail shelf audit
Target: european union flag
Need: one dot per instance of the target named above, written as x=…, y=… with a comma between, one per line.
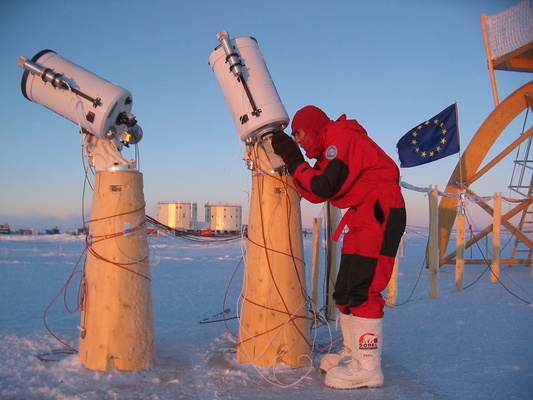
x=432, y=140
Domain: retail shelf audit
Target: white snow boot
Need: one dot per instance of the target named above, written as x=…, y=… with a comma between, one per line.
x=364, y=368
x=333, y=359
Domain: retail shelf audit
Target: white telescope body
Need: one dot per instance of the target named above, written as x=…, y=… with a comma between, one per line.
x=252, y=98
x=99, y=107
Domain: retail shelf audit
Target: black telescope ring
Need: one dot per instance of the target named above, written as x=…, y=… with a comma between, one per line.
x=26, y=72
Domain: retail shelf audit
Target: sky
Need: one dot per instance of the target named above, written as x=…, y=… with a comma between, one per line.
x=388, y=64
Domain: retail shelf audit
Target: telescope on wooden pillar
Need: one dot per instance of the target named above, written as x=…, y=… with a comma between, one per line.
x=273, y=318
x=116, y=329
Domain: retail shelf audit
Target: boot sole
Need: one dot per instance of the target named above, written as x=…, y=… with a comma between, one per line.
x=344, y=385
x=365, y=386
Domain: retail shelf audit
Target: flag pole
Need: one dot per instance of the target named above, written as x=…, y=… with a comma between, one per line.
x=459, y=142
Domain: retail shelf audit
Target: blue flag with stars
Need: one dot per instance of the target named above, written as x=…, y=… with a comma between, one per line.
x=432, y=140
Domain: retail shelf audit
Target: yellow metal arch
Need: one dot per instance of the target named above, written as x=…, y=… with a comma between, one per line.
x=467, y=168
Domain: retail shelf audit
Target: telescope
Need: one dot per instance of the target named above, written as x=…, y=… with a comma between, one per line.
x=100, y=108
x=252, y=98
x=273, y=322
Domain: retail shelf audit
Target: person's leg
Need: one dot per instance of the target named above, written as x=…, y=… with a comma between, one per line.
x=367, y=276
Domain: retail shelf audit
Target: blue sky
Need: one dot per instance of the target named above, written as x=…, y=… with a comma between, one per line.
x=388, y=64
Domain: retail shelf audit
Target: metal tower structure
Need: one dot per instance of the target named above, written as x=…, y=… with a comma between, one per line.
x=522, y=183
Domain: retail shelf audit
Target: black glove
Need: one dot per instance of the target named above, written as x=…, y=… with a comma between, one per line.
x=288, y=150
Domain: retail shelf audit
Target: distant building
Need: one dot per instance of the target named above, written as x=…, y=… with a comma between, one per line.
x=4, y=229
x=53, y=231
x=178, y=215
x=223, y=218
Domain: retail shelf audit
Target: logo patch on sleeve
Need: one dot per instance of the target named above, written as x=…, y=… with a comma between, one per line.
x=331, y=152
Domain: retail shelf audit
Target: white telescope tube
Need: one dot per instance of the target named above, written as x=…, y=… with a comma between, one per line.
x=100, y=107
x=247, y=86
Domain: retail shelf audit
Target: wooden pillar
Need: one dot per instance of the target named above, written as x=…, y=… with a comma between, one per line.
x=496, y=224
x=460, y=254
x=489, y=60
x=433, y=244
x=317, y=223
x=332, y=259
x=274, y=326
x=117, y=329
x=392, y=286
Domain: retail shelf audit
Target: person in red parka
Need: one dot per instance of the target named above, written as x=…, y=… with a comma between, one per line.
x=351, y=172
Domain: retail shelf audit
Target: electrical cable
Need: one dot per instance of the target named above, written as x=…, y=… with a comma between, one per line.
x=71, y=349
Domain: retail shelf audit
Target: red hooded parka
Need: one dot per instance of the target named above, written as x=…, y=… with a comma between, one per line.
x=353, y=172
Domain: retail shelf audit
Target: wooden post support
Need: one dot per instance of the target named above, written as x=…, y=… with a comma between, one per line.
x=433, y=244
x=496, y=224
x=392, y=286
x=401, y=250
x=317, y=223
x=274, y=326
x=332, y=259
x=117, y=328
x=460, y=255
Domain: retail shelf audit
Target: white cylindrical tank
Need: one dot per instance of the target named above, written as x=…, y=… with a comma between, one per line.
x=178, y=215
x=223, y=217
x=100, y=107
x=242, y=70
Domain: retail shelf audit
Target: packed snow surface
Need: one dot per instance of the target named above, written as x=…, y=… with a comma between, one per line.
x=472, y=344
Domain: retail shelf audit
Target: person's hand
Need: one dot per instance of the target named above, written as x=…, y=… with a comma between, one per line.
x=285, y=147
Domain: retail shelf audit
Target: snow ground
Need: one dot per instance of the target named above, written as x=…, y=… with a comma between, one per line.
x=474, y=344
